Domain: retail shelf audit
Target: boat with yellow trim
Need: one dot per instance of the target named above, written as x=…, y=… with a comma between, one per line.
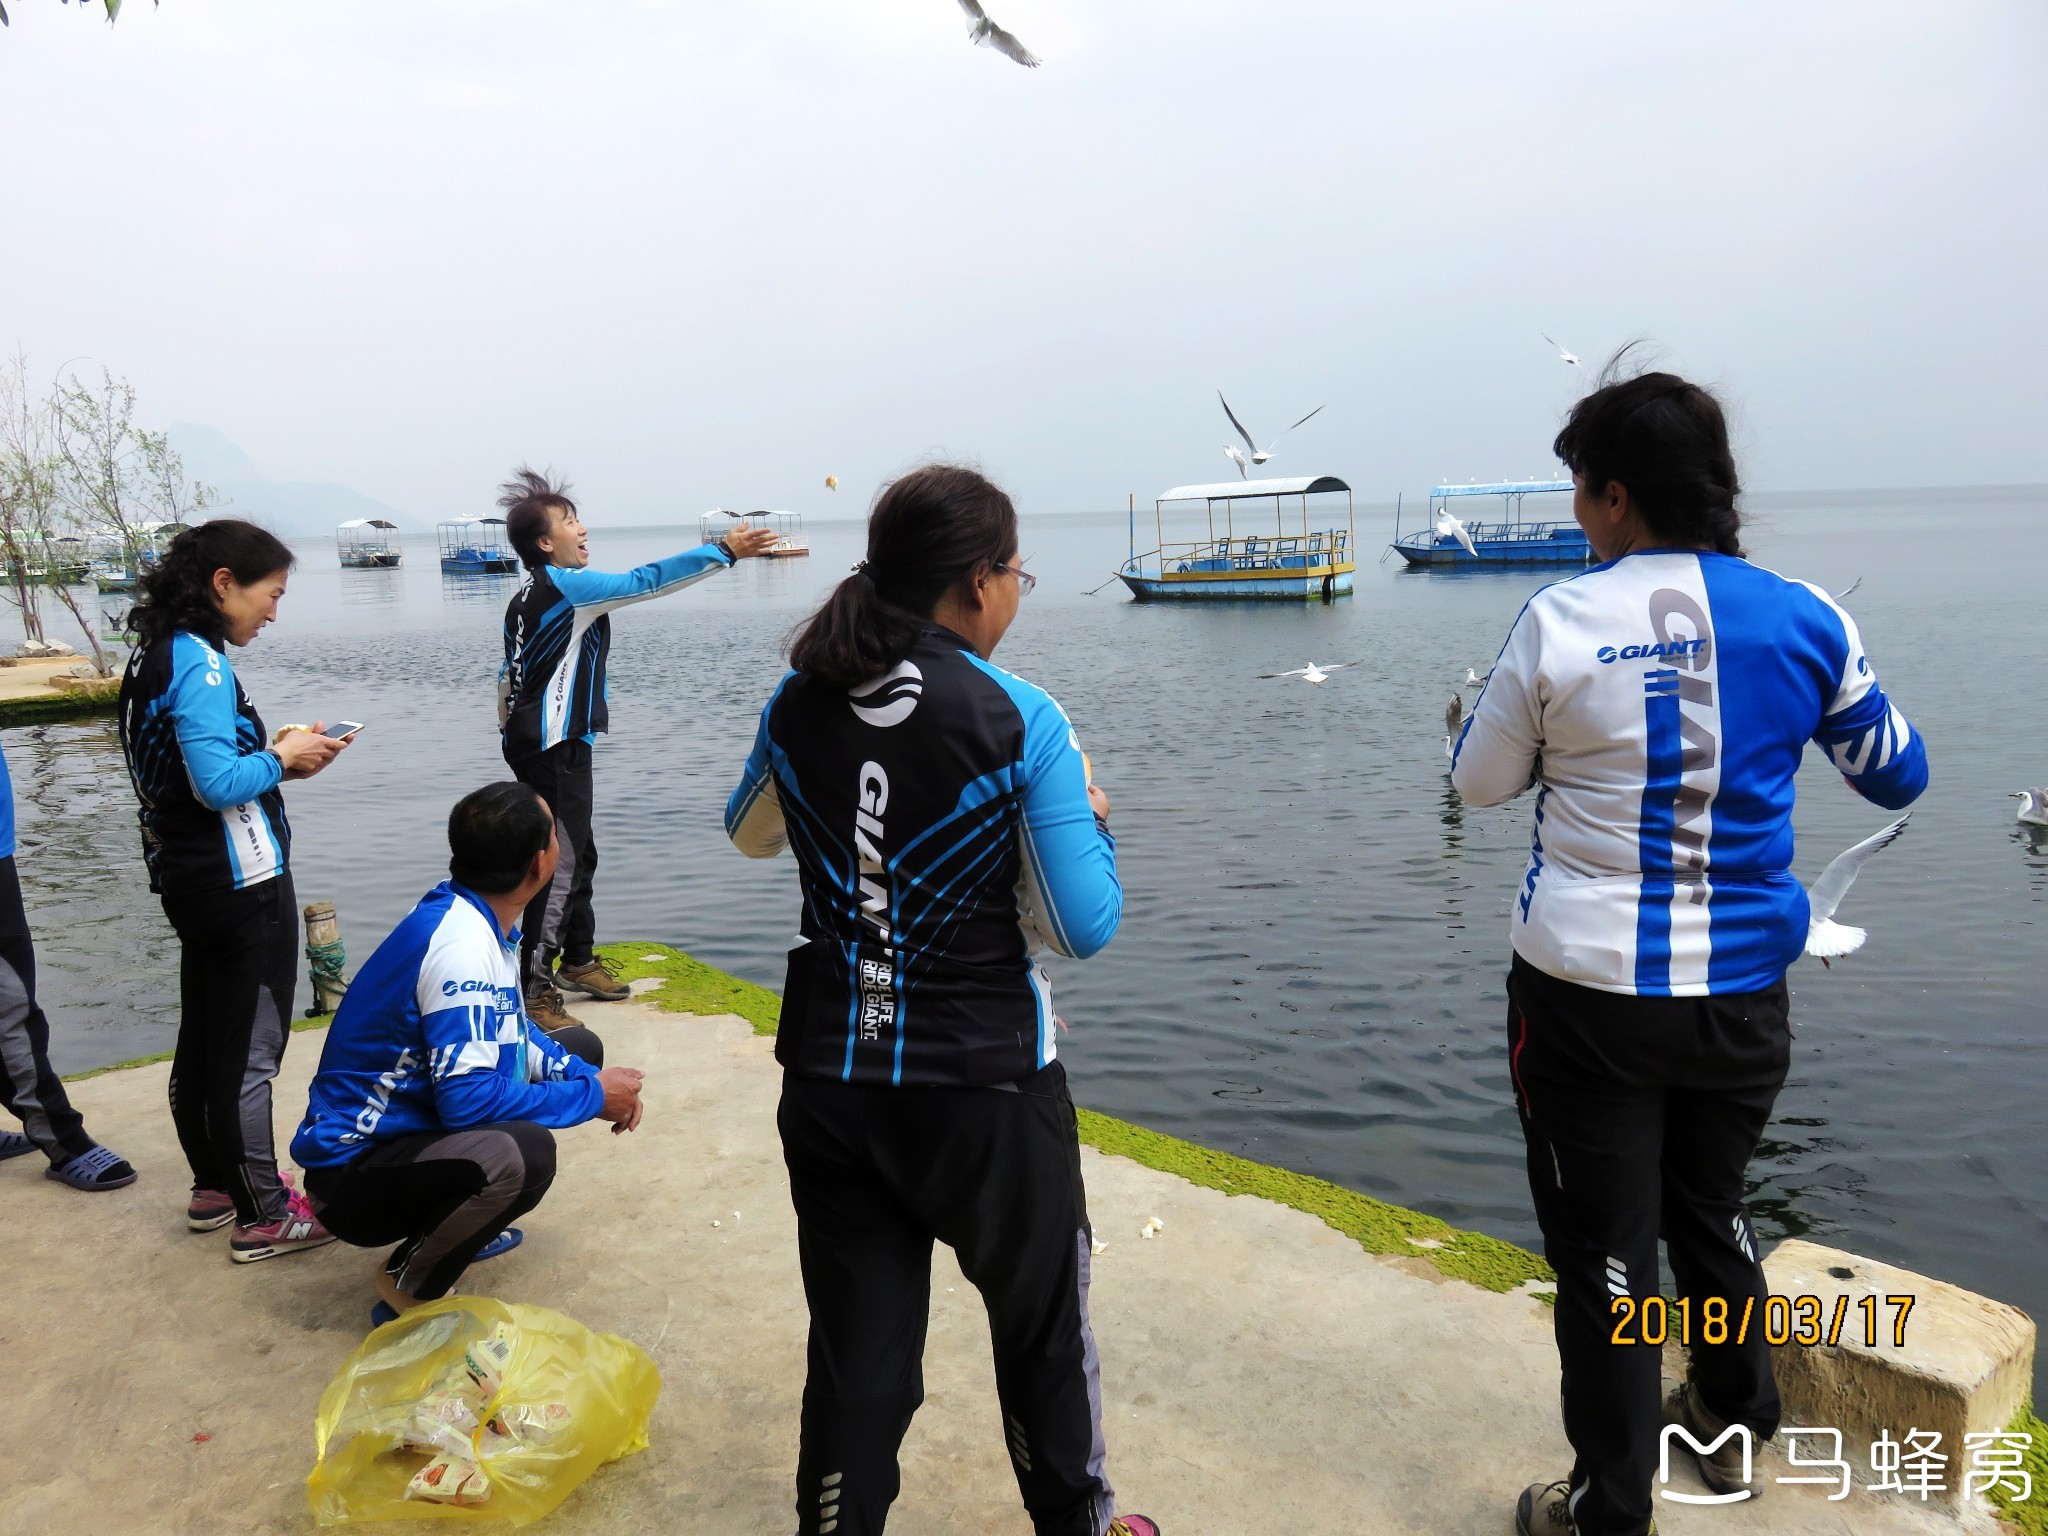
x=1308, y=556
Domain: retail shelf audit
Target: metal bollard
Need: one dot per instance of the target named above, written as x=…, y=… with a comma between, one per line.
x=324, y=954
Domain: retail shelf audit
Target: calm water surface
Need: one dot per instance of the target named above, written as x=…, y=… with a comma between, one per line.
x=1310, y=969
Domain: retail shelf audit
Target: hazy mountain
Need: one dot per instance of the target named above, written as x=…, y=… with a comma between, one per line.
x=291, y=508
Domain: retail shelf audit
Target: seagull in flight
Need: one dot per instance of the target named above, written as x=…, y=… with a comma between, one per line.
x=1259, y=455
x=1569, y=357
x=1827, y=939
x=1236, y=456
x=2033, y=806
x=1312, y=673
x=986, y=31
x=1446, y=524
x=1844, y=594
x=1454, y=722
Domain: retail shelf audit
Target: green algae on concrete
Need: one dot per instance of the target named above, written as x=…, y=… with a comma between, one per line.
x=150, y=1061
x=2031, y=1515
x=690, y=986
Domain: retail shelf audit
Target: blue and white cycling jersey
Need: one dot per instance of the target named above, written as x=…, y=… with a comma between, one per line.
x=558, y=631
x=212, y=817
x=1661, y=703
x=431, y=1036
x=942, y=830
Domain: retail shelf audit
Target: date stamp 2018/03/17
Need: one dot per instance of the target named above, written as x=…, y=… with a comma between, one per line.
x=1803, y=1320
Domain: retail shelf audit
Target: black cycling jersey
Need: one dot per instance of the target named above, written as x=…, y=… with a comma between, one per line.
x=941, y=825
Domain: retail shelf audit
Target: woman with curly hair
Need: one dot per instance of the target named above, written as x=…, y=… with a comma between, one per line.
x=217, y=846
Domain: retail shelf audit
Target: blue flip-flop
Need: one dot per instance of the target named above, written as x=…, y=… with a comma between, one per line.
x=83, y=1171
x=383, y=1313
x=504, y=1242
x=13, y=1144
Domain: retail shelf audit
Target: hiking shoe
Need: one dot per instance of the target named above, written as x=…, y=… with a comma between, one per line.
x=1544, y=1509
x=210, y=1210
x=1722, y=1469
x=1132, y=1525
x=544, y=1008
x=593, y=979
x=297, y=1228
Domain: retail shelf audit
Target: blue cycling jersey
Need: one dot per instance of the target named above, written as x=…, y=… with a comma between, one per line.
x=212, y=816
x=940, y=820
x=431, y=1035
x=1661, y=702
x=558, y=632
x=6, y=810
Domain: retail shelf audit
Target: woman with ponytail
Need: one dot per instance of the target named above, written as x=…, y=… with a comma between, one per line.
x=1660, y=704
x=217, y=847
x=945, y=832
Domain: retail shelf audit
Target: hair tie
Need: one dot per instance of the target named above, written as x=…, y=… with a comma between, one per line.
x=861, y=570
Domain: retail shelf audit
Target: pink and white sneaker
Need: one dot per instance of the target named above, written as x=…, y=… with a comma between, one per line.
x=210, y=1210
x=298, y=1228
x=1132, y=1525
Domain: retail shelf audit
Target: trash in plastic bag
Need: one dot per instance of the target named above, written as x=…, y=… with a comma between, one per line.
x=468, y=1408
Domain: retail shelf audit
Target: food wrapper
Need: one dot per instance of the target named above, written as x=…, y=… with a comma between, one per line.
x=450, y=1480
x=486, y=1359
x=447, y=1418
x=523, y=1425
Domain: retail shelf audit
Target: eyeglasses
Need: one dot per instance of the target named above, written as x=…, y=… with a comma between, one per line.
x=1025, y=580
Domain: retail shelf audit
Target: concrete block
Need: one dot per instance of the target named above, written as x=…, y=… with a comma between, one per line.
x=1965, y=1367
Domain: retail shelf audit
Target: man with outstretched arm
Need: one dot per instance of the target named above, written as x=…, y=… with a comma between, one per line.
x=430, y=1120
x=553, y=704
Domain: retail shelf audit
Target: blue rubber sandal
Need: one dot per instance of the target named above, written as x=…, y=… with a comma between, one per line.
x=84, y=1171
x=13, y=1144
x=504, y=1242
x=383, y=1313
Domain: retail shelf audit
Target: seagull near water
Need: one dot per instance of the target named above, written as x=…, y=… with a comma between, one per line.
x=1454, y=722
x=1827, y=939
x=1447, y=524
x=1236, y=456
x=986, y=31
x=1312, y=673
x=1474, y=680
x=2033, y=806
x=1259, y=455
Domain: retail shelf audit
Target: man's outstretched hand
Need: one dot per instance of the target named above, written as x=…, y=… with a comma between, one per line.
x=621, y=1097
x=747, y=540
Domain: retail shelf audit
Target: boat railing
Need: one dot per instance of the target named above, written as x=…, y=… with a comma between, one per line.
x=1250, y=552
x=1498, y=533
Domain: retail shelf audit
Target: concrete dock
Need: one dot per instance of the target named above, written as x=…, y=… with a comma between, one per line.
x=1261, y=1372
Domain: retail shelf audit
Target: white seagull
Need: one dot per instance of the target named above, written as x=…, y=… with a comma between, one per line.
x=2033, y=806
x=1259, y=455
x=986, y=31
x=1454, y=722
x=1236, y=456
x=1848, y=590
x=1474, y=680
x=1312, y=673
x=1447, y=524
x=1827, y=939
x=1567, y=356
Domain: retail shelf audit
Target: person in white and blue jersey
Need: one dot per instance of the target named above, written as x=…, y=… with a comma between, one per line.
x=218, y=851
x=430, y=1122
x=554, y=702
x=946, y=834
x=1659, y=704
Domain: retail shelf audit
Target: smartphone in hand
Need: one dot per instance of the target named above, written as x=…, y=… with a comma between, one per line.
x=342, y=730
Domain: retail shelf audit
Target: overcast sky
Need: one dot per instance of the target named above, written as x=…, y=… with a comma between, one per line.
x=708, y=253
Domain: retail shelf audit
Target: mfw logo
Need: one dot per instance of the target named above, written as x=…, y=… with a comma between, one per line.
x=1679, y=1432
x=894, y=695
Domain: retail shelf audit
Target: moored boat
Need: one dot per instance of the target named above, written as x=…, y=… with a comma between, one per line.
x=1304, y=558
x=1513, y=539
x=475, y=546
x=367, y=544
x=790, y=539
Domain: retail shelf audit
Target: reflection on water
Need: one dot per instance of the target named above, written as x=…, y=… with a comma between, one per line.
x=381, y=588
x=1312, y=960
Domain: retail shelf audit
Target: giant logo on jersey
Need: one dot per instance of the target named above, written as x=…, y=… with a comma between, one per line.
x=892, y=696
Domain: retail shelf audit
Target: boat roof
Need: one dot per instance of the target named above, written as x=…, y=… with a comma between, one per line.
x=368, y=522
x=1503, y=488
x=454, y=521
x=1240, y=490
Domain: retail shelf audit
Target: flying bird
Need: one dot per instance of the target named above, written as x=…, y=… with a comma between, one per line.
x=1446, y=524
x=831, y=482
x=2033, y=806
x=1827, y=939
x=1568, y=357
x=1843, y=595
x=1259, y=455
x=1312, y=673
x=986, y=31
x=1236, y=456
x=1454, y=722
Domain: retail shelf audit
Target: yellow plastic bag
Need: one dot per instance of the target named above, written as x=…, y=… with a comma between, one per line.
x=468, y=1408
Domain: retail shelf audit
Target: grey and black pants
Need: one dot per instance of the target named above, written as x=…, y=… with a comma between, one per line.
x=439, y=1195
x=560, y=920
x=876, y=1174
x=29, y=1088
x=238, y=967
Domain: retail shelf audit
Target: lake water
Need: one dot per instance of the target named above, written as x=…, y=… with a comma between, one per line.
x=1310, y=969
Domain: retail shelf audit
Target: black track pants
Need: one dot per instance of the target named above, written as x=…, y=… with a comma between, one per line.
x=439, y=1195
x=238, y=966
x=995, y=1173
x=29, y=1089
x=560, y=920
x=1641, y=1115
